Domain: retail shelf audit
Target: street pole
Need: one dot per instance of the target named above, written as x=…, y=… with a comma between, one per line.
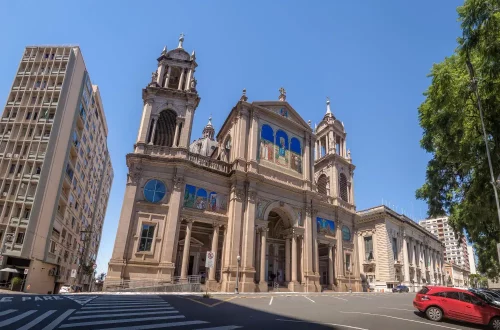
x=474, y=88
x=238, y=258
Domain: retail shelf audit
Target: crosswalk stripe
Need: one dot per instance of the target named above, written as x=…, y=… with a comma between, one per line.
x=83, y=324
x=61, y=318
x=98, y=301
x=7, y=312
x=125, y=310
x=158, y=325
x=37, y=320
x=16, y=318
x=126, y=306
x=120, y=314
x=226, y=327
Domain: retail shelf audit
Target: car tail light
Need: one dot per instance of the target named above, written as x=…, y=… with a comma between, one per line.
x=425, y=298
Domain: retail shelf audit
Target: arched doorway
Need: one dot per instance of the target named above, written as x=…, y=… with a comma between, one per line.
x=276, y=249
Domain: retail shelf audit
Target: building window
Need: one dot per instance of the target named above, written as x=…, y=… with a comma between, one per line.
x=395, y=248
x=20, y=238
x=146, y=241
x=52, y=247
x=348, y=263
x=346, y=234
x=343, y=187
x=154, y=191
x=368, y=247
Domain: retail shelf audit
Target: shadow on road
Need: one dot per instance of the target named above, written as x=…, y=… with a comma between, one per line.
x=458, y=323
x=224, y=311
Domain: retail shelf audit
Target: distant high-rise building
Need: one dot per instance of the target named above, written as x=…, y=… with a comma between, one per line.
x=456, y=246
x=472, y=259
x=55, y=171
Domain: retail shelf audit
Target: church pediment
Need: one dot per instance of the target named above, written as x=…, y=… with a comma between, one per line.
x=284, y=110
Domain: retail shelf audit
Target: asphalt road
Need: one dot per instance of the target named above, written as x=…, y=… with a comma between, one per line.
x=367, y=311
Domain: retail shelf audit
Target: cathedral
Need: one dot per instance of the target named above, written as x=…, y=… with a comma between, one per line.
x=269, y=197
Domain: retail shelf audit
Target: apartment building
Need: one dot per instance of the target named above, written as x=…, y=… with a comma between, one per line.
x=455, y=246
x=55, y=171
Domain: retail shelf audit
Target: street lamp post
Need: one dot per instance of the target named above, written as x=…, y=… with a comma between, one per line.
x=350, y=275
x=238, y=258
x=474, y=88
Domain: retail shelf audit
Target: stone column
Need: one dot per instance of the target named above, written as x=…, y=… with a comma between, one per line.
x=247, y=257
x=160, y=71
x=215, y=247
x=287, y=259
x=145, y=121
x=181, y=80
x=294, y=258
x=406, y=261
x=188, y=80
x=176, y=134
x=257, y=255
x=168, y=76
x=262, y=277
x=275, y=260
x=185, y=252
x=330, y=266
x=153, y=131
x=306, y=160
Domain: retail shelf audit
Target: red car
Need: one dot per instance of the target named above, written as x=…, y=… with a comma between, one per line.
x=439, y=302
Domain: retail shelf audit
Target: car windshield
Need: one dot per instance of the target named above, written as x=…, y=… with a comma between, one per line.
x=485, y=296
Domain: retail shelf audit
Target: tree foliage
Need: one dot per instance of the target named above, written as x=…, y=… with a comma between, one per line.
x=458, y=181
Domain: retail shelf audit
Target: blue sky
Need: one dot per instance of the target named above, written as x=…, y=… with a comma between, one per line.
x=370, y=57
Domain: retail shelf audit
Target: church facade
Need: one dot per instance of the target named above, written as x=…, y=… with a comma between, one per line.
x=270, y=197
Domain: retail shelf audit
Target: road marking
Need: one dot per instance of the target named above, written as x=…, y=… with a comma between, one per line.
x=126, y=306
x=309, y=299
x=17, y=318
x=37, y=320
x=271, y=301
x=213, y=305
x=7, y=312
x=363, y=297
x=120, y=314
x=61, y=318
x=158, y=326
x=126, y=300
x=124, y=310
x=334, y=324
x=400, y=309
x=339, y=298
x=399, y=318
x=226, y=327
x=83, y=324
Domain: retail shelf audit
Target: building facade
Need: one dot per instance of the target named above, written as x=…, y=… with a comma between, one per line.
x=472, y=259
x=394, y=250
x=456, y=276
x=270, y=197
x=455, y=246
x=55, y=171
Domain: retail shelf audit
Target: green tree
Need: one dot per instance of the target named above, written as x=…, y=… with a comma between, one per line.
x=458, y=181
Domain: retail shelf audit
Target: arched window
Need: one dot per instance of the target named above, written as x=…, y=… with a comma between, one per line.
x=175, y=76
x=323, y=184
x=266, y=143
x=165, y=128
x=226, y=151
x=295, y=146
x=296, y=155
x=267, y=133
x=343, y=187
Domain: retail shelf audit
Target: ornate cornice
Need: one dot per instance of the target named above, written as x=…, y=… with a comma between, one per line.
x=178, y=183
x=134, y=173
x=252, y=196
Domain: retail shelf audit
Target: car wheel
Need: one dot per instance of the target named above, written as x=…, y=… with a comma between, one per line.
x=434, y=314
x=495, y=323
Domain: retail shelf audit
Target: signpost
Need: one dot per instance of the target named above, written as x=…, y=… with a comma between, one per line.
x=209, y=260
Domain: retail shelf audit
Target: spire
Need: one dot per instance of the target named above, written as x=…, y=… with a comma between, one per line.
x=208, y=130
x=244, y=95
x=181, y=40
x=193, y=55
x=328, y=111
x=164, y=51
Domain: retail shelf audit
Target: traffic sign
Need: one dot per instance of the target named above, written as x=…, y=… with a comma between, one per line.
x=26, y=271
x=209, y=260
x=73, y=273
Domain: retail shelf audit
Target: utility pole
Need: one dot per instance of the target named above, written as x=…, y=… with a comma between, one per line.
x=474, y=88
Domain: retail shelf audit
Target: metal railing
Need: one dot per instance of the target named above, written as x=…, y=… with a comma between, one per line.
x=175, y=284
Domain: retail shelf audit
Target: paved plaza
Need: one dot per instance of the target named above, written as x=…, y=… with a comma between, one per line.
x=373, y=311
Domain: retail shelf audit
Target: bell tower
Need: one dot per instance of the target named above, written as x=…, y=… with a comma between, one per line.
x=170, y=100
x=333, y=168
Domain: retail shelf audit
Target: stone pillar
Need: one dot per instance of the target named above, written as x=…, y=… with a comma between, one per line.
x=275, y=259
x=247, y=258
x=181, y=80
x=215, y=247
x=176, y=134
x=185, y=252
x=188, y=80
x=160, y=71
x=330, y=266
x=168, y=76
x=257, y=255
x=145, y=121
x=287, y=259
x=306, y=160
x=153, y=131
x=406, y=262
x=262, y=277
x=294, y=258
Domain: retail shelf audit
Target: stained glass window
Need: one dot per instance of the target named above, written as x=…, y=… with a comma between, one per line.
x=346, y=233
